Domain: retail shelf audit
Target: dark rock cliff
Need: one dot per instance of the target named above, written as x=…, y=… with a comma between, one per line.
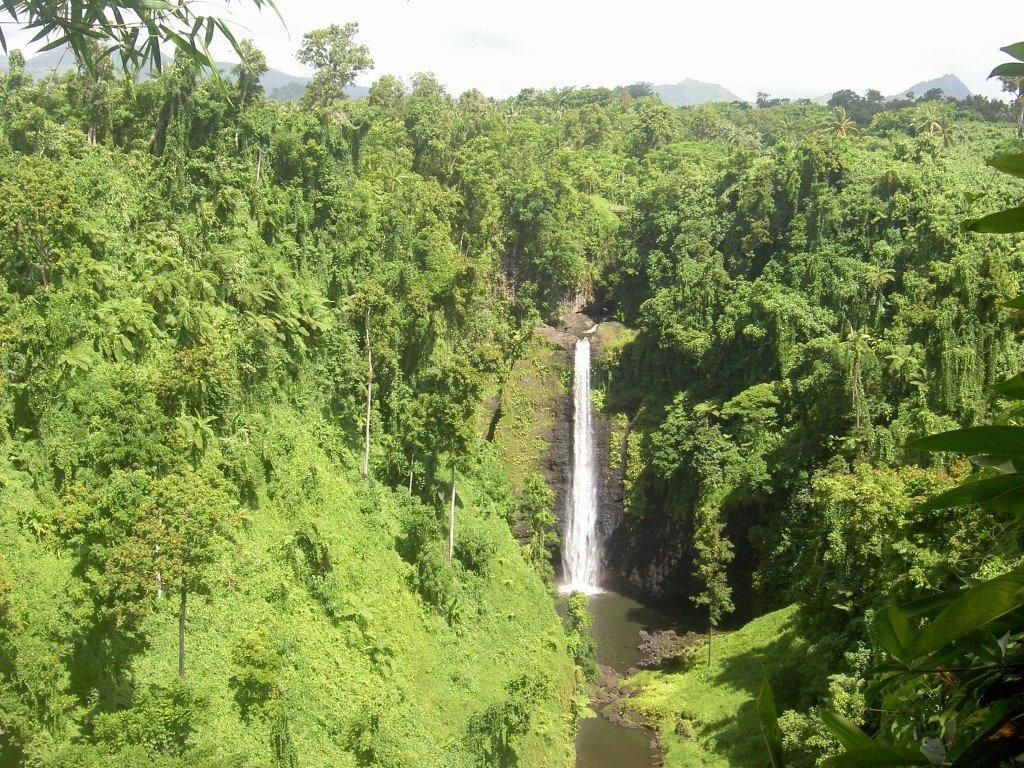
x=650, y=556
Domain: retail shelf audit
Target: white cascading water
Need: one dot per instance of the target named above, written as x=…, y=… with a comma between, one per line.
x=579, y=555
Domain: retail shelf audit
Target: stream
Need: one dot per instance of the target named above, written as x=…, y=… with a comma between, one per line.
x=617, y=621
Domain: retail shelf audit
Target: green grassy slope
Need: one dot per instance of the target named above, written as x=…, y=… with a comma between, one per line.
x=370, y=673
x=716, y=702
x=530, y=401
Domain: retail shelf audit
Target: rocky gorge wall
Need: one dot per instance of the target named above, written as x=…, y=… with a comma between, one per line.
x=648, y=557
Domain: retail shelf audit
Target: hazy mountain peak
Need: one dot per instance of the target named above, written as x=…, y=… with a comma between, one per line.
x=949, y=84
x=690, y=92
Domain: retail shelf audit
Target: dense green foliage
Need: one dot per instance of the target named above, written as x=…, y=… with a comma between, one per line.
x=804, y=309
x=214, y=307
x=193, y=282
x=705, y=714
x=949, y=682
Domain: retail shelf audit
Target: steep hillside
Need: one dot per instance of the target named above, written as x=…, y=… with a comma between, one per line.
x=329, y=632
x=193, y=570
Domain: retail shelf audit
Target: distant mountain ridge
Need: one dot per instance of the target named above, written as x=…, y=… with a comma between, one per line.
x=950, y=85
x=282, y=86
x=279, y=85
x=690, y=93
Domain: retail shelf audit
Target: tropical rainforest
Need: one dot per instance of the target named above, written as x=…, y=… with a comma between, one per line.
x=253, y=508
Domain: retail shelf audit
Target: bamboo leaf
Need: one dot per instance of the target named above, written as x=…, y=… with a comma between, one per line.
x=54, y=44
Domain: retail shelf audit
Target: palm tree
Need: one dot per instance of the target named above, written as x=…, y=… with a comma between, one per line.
x=904, y=363
x=877, y=278
x=858, y=341
x=933, y=121
x=840, y=124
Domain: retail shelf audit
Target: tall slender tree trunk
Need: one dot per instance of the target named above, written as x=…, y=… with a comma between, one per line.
x=451, y=520
x=1020, y=112
x=369, y=398
x=855, y=388
x=181, y=637
x=412, y=465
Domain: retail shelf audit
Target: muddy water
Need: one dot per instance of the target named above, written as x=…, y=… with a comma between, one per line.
x=601, y=744
x=617, y=621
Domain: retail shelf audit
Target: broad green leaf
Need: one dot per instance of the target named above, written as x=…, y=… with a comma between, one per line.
x=1017, y=303
x=849, y=733
x=1012, y=164
x=930, y=605
x=1004, y=488
x=973, y=609
x=998, y=440
x=894, y=632
x=1002, y=463
x=1001, y=223
x=877, y=756
x=768, y=719
x=1016, y=50
x=985, y=750
x=1011, y=387
x=1010, y=69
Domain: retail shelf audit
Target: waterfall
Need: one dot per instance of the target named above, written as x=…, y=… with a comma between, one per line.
x=579, y=555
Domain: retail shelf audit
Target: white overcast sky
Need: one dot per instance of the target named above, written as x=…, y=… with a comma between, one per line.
x=786, y=47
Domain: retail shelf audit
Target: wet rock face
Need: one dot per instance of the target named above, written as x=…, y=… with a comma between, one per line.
x=557, y=467
x=609, y=496
x=650, y=557
x=619, y=567
x=558, y=336
x=556, y=464
x=653, y=556
x=667, y=649
x=576, y=324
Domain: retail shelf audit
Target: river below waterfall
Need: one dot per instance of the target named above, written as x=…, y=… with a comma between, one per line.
x=617, y=623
